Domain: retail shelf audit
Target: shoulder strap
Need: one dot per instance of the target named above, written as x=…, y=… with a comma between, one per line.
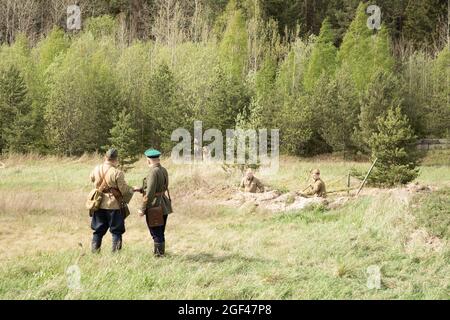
x=103, y=179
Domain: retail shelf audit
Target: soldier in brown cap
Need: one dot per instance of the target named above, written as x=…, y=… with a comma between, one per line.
x=317, y=188
x=109, y=216
x=250, y=183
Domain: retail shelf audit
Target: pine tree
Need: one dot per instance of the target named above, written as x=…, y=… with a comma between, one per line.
x=227, y=98
x=124, y=139
x=381, y=94
x=438, y=116
x=421, y=20
x=265, y=104
x=234, y=45
x=337, y=106
x=14, y=109
x=363, y=52
x=162, y=106
x=323, y=57
x=394, y=147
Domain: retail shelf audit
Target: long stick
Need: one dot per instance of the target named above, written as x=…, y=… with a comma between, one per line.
x=367, y=175
x=341, y=190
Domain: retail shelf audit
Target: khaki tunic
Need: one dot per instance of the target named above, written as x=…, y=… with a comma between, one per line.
x=115, y=178
x=157, y=181
x=251, y=185
x=317, y=188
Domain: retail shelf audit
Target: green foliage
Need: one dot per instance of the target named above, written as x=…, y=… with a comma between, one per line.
x=421, y=20
x=321, y=98
x=234, y=46
x=51, y=47
x=394, y=146
x=227, y=98
x=102, y=26
x=323, y=57
x=297, y=125
x=133, y=72
x=382, y=93
x=124, y=139
x=83, y=97
x=15, y=121
x=162, y=108
x=363, y=52
x=337, y=110
x=432, y=212
x=438, y=117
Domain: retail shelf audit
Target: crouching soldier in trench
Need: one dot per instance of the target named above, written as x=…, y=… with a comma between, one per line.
x=109, y=216
x=250, y=183
x=317, y=188
x=154, y=190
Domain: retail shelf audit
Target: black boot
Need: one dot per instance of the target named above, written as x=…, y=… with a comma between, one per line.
x=117, y=245
x=95, y=246
x=159, y=249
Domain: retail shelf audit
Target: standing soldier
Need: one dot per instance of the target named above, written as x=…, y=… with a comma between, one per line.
x=109, y=215
x=317, y=188
x=154, y=190
x=250, y=183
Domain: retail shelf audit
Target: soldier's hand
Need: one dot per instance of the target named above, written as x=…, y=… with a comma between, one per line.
x=137, y=189
x=140, y=213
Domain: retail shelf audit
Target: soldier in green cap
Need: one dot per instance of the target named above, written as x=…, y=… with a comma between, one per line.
x=155, y=192
x=109, y=215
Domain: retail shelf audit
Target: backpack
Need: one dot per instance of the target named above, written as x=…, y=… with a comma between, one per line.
x=95, y=196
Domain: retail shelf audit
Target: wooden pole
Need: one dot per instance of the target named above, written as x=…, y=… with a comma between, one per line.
x=367, y=175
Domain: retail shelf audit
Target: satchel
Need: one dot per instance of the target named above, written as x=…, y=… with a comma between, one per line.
x=155, y=216
x=95, y=196
x=93, y=201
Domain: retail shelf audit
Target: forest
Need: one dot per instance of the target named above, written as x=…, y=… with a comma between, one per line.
x=140, y=69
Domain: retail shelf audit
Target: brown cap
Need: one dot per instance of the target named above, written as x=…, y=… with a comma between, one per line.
x=315, y=171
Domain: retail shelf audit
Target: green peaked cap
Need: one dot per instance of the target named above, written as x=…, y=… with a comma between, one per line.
x=152, y=153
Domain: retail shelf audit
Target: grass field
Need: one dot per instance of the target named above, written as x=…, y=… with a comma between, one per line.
x=217, y=252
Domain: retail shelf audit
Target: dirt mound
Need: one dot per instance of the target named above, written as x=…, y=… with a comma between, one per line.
x=275, y=201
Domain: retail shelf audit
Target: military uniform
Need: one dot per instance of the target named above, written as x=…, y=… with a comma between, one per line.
x=155, y=190
x=317, y=188
x=251, y=185
x=109, y=215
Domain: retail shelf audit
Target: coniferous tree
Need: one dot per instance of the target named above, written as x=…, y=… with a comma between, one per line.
x=364, y=52
x=381, y=94
x=123, y=137
x=338, y=108
x=438, y=115
x=394, y=146
x=234, y=45
x=323, y=57
x=15, y=122
x=227, y=98
x=162, y=107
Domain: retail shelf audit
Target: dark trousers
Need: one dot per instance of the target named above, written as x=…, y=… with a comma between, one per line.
x=104, y=219
x=157, y=233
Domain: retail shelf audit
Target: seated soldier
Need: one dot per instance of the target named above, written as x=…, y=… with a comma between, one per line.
x=250, y=183
x=317, y=188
